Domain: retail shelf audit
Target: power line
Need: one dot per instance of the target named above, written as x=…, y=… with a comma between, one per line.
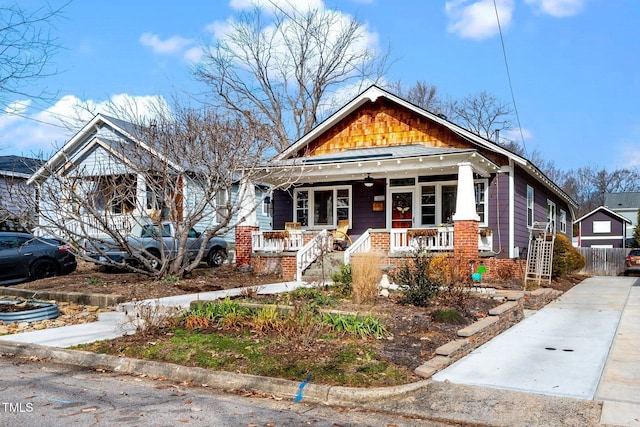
x=506, y=64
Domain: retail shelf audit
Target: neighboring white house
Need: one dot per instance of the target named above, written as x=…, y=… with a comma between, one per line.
x=17, y=200
x=625, y=204
x=107, y=160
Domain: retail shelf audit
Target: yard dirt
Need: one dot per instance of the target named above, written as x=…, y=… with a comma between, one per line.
x=414, y=333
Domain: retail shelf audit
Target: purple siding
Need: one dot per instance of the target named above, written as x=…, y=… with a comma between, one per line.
x=363, y=215
x=540, y=197
x=586, y=231
x=499, y=213
x=282, y=208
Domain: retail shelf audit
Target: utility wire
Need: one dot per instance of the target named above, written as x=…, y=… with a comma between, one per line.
x=506, y=64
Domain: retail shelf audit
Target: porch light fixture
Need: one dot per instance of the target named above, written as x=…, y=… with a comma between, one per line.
x=368, y=181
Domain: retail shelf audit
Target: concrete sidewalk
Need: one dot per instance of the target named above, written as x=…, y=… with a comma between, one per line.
x=583, y=345
x=115, y=324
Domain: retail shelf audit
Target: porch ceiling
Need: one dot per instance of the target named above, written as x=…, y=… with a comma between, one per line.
x=385, y=162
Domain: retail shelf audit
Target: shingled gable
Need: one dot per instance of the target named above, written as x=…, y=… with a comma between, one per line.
x=396, y=122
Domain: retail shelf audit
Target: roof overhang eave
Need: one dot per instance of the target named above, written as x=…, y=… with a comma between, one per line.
x=302, y=172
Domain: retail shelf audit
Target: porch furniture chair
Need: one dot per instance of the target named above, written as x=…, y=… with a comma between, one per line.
x=341, y=239
x=292, y=226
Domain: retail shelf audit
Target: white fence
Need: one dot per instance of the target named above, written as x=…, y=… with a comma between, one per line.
x=603, y=261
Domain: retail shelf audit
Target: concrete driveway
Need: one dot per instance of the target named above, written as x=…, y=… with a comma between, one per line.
x=584, y=345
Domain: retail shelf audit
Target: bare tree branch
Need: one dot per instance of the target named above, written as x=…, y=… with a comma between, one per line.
x=282, y=72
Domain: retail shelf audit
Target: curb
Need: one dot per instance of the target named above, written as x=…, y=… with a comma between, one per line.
x=426, y=399
x=223, y=380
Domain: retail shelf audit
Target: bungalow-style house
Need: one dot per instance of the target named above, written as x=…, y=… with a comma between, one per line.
x=17, y=200
x=602, y=228
x=125, y=179
x=398, y=174
x=626, y=204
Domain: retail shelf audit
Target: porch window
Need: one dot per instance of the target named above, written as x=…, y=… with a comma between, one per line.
x=449, y=193
x=428, y=205
x=481, y=201
x=563, y=221
x=322, y=206
x=438, y=202
x=530, y=217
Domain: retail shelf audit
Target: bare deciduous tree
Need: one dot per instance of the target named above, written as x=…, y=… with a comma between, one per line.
x=421, y=94
x=283, y=71
x=26, y=49
x=482, y=114
x=191, y=168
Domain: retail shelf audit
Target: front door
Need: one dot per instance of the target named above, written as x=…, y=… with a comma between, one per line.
x=401, y=209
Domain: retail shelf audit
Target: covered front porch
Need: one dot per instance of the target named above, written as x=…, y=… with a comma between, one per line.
x=393, y=200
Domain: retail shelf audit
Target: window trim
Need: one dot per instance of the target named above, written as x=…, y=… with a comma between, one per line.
x=563, y=221
x=438, y=200
x=530, y=206
x=310, y=207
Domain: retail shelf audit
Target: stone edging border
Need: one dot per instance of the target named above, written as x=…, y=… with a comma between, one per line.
x=499, y=320
x=99, y=300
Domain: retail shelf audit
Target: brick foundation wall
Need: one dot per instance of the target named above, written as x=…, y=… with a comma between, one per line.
x=504, y=268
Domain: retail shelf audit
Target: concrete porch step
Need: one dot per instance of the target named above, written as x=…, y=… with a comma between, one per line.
x=330, y=261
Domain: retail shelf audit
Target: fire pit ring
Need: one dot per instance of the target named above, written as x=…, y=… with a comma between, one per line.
x=13, y=310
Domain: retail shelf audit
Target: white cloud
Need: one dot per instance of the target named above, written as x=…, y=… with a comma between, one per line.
x=32, y=133
x=557, y=8
x=270, y=5
x=171, y=45
x=477, y=20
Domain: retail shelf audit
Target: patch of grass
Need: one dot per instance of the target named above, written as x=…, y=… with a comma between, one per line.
x=94, y=281
x=451, y=317
x=355, y=365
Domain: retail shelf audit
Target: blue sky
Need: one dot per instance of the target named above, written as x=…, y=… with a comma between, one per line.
x=574, y=64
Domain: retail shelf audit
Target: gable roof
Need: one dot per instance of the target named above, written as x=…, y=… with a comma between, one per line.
x=371, y=95
x=606, y=211
x=91, y=136
x=626, y=200
x=19, y=166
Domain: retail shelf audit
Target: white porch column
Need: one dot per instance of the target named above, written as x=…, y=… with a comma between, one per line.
x=465, y=199
x=247, y=210
x=141, y=194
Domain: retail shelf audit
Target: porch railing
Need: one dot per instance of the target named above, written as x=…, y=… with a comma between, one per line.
x=432, y=239
x=276, y=241
x=321, y=242
x=96, y=227
x=362, y=244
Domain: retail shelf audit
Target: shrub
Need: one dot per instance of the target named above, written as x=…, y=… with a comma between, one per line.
x=441, y=270
x=366, y=274
x=413, y=279
x=566, y=258
x=342, y=280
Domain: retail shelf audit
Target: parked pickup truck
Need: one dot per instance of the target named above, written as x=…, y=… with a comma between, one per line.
x=147, y=237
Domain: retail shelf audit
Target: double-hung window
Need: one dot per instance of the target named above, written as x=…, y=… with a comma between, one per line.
x=530, y=206
x=438, y=202
x=322, y=206
x=563, y=221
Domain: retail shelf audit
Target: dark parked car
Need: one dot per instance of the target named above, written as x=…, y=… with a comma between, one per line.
x=632, y=263
x=24, y=257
